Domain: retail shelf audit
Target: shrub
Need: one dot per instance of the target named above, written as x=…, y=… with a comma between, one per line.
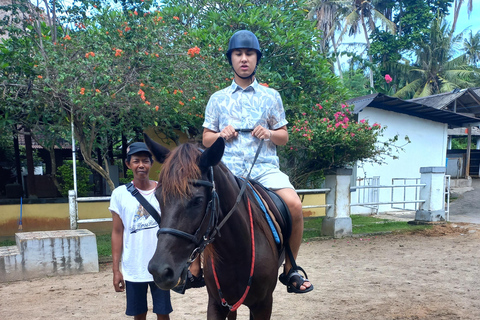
x=65, y=178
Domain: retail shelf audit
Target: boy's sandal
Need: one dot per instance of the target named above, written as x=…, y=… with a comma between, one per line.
x=191, y=281
x=293, y=276
x=194, y=281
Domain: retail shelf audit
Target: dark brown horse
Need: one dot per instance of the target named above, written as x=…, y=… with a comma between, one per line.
x=200, y=211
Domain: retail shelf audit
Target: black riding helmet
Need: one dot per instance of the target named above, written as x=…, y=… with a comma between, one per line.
x=243, y=39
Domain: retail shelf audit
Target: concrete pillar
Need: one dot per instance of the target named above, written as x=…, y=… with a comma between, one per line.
x=433, y=209
x=338, y=222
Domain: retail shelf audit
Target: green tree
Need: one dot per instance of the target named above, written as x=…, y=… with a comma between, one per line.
x=471, y=48
x=115, y=72
x=392, y=52
x=436, y=69
x=361, y=18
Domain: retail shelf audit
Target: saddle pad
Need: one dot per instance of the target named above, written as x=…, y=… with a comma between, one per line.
x=274, y=220
x=274, y=227
x=278, y=208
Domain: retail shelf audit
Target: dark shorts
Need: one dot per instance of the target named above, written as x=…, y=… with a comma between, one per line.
x=137, y=298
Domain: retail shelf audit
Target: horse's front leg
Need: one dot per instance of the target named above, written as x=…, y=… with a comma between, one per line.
x=215, y=311
x=262, y=310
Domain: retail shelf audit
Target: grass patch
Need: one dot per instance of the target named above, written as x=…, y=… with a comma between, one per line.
x=7, y=243
x=313, y=229
x=361, y=225
x=104, y=246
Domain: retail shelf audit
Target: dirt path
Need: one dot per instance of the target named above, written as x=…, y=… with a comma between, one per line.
x=429, y=275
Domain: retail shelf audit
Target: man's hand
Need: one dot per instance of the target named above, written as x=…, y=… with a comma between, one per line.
x=262, y=133
x=228, y=133
x=118, y=281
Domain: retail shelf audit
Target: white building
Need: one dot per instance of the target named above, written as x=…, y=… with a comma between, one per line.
x=427, y=130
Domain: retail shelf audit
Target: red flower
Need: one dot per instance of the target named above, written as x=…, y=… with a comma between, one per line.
x=388, y=79
x=192, y=51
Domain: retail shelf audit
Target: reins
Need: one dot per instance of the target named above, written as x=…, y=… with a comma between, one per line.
x=213, y=229
x=252, y=267
x=242, y=191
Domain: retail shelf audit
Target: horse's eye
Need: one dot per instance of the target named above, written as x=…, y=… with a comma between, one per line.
x=196, y=201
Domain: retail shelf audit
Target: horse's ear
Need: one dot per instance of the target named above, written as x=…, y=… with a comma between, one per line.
x=212, y=155
x=159, y=152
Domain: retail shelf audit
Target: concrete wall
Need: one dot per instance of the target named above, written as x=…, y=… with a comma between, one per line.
x=428, y=148
x=51, y=216
x=55, y=216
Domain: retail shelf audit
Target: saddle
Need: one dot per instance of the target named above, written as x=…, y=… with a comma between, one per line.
x=275, y=209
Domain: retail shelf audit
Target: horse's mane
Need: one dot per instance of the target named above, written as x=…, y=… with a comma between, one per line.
x=179, y=167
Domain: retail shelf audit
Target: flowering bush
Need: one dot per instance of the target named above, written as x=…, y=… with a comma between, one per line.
x=327, y=137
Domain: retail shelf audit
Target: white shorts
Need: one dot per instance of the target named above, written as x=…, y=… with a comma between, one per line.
x=275, y=180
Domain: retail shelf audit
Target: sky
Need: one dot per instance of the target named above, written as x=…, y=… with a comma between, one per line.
x=463, y=21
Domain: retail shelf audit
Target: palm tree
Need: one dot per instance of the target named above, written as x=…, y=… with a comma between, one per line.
x=361, y=18
x=471, y=46
x=436, y=69
x=327, y=13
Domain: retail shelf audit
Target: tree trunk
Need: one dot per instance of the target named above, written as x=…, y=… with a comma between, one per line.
x=18, y=166
x=86, y=149
x=368, y=49
x=335, y=51
x=32, y=193
x=88, y=159
x=53, y=162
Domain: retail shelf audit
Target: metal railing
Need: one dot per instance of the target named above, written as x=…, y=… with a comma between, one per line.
x=73, y=209
x=416, y=193
x=367, y=195
x=372, y=198
x=377, y=202
x=73, y=205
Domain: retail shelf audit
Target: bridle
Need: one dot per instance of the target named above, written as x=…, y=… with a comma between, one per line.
x=211, y=213
x=201, y=241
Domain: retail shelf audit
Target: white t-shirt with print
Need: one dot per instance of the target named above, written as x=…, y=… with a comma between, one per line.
x=139, y=233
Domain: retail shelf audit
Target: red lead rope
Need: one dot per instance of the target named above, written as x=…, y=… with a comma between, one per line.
x=239, y=303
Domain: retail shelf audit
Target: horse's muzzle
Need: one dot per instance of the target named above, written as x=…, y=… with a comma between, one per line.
x=165, y=277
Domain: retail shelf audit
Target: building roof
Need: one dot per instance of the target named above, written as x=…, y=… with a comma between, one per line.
x=413, y=108
x=465, y=101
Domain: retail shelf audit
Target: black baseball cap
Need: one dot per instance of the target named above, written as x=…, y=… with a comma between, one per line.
x=137, y=147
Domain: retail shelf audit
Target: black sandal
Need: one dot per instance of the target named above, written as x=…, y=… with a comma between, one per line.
x=191, y=281
x=293, y=276
x=194, y=281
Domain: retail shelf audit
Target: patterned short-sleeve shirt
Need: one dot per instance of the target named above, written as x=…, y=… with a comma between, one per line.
x=245, y=109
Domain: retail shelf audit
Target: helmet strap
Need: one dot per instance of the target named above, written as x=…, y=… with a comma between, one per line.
x=247, y=77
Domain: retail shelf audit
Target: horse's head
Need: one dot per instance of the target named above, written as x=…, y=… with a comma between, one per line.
x=185, y=195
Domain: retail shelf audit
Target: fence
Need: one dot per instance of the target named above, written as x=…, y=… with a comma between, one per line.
x=73, y=205
x=372, y=196
x=73, y=209
x=371, y=189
